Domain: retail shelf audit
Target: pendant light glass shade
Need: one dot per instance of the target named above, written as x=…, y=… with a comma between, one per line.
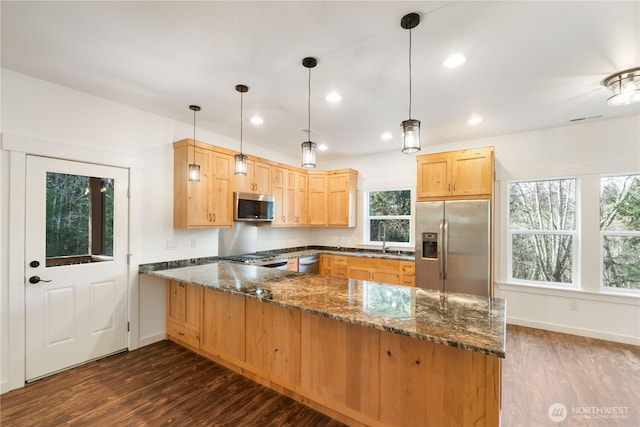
x=194, y=168
x=410, y=127
x=624, y=87
x=240, y=159
x=309, y=147
x=410, y=136
x=240, y=164
x=308, y=154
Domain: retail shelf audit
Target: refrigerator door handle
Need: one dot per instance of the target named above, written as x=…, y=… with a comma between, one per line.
x=440, y=248
x=445, y=249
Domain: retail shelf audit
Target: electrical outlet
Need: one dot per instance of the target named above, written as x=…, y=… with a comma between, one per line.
x=574, y=305
x=193, y=243
x=171, y=245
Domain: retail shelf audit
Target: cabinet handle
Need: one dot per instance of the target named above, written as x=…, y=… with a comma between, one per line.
x=214, y=217
x=181, y=334
x=283, y=218
x=454, y=187
x=449, y=187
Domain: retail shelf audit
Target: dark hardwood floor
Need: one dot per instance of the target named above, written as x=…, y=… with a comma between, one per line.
x=165, y=384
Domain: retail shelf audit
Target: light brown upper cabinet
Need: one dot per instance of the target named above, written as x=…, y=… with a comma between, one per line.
x=204, y=203
x=341, y=198
x=289, y=188
x=257, y=180
x=459, y=174
x=317, y=198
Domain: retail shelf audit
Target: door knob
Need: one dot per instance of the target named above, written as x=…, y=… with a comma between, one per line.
x=36, y=279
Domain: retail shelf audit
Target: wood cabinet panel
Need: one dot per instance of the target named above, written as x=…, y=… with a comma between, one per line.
x=317, y=198
x=389, y=271
x=273, y=340
x=341, y=198
x=223, y=325
x=424, y=383
x=278, y=190
x=183, y=312
x=339, y=361
x=456, y=174
x=257, y=180
x=204, y=203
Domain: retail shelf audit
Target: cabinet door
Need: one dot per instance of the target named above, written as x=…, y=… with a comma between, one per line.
x=198, y=207
x=391, y=277
x=176, y=302
x=244, y=183
x=408, y=272
x=301, y=204
x=221, y=197
x=261, y=178
x=326, y=264
x=338, y=200
x=290, y=190
x=223, y=324
x=278, y=192
x=317, y=199
x=434, y=175
x=360, y=273
x=472, y=172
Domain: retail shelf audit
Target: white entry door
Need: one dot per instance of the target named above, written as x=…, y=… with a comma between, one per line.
x=76, y=263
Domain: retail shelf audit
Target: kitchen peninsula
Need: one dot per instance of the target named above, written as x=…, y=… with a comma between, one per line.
x=362, y=352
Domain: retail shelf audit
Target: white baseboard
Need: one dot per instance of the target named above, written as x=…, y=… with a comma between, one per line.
x=4, y=387
x=153, y=338
x=625, y=339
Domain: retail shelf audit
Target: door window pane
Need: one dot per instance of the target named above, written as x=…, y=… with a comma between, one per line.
x=79, y=219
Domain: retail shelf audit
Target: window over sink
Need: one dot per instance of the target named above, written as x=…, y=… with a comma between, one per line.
x=388, y=217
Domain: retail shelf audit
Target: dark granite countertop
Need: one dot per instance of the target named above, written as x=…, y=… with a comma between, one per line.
x=464, y=321
x=296, y=252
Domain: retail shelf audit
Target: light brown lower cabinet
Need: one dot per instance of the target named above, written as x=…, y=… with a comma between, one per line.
x=389, y=271
x=355, y=374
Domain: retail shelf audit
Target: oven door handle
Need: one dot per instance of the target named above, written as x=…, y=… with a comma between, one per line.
x=275, y=264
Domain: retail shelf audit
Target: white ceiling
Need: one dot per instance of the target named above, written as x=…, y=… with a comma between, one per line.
x=529, y=65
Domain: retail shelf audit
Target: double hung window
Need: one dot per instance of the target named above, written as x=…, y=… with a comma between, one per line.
x=388, y=217
x=543, y=232
x=620, y=232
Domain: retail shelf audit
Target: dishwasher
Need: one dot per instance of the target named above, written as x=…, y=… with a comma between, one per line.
x=308, y=264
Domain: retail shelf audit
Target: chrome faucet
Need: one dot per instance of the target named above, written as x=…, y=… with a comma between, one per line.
x=384, y=237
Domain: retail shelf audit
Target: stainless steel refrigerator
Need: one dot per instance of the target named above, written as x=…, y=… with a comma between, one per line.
x=453, y=240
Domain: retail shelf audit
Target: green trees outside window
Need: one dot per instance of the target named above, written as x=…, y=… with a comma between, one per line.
x=542, y=229
x=389, y=212
x=620, y=231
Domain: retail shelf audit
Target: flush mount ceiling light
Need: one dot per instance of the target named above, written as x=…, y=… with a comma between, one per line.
x=194, y=168
x=308, y=147
x=241, y=159
x=410, y=127
x=624, y=87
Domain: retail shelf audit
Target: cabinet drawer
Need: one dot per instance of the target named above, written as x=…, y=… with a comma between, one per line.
x=408, y=268
x=340, y=259
x=181, y=333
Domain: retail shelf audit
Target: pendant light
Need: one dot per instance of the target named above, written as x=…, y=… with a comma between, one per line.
x=624, y=87
x=308, y=147
x=241, y=159
x=410, y=127
x=194, y=168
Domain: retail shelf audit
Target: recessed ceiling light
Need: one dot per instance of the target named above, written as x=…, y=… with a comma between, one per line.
x=334, y=97
x=256, y=120
x=386, y=135
x=474, y=120
x=322, y=147
x=455, y=60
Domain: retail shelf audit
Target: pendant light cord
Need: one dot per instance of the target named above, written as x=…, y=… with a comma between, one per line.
x=409, y=74
x=309, y=109
x=194, y=136
x=241, y=96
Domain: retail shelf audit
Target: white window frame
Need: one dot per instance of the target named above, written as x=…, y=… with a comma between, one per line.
x=367, y=218
x=575, y=234
x=603, y=288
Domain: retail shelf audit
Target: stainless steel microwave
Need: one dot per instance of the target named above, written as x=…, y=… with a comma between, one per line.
x=252, y=207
